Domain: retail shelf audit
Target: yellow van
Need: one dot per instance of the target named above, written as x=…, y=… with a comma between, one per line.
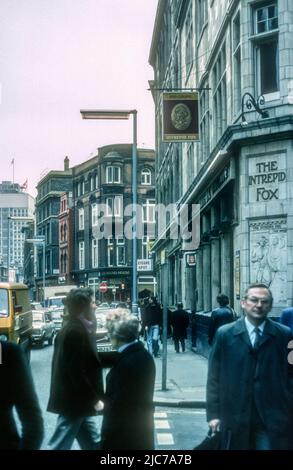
x=15, y=314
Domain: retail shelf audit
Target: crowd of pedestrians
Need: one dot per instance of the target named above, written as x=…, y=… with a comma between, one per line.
x=249, y=386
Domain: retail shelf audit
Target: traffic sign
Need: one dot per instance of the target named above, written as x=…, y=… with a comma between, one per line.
x=103, y=287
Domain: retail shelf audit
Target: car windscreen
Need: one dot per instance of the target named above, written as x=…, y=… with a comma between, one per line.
x=56, y=315
x=38, y=317
x=36, y=306
x=56, y=302
x=4, y=310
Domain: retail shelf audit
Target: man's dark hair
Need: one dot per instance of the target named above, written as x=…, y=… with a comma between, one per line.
x=222, y=300
x=258, y=285
x=180, y=305
x=76, y=301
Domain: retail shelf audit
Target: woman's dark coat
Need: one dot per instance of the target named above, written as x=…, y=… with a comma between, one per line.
x=17, y=389
x=236, y=371
x=179, y=322
x=128, y=414
x=76, y=380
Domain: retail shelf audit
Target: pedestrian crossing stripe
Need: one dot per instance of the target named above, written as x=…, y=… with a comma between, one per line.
x=162, y=424
x=165, y=439
x=160, y=414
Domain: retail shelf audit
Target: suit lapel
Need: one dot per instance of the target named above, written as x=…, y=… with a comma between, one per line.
x=269, y=330
x=241, y=331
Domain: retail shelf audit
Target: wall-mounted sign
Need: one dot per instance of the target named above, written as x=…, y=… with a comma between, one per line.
x=267, y=178
x=191, y=259
x=180, y=117
x=144, y=265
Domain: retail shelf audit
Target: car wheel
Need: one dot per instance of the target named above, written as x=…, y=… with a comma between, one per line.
x=50, y=340
x=41, y=343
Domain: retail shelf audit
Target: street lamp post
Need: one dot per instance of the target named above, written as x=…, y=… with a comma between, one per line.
x=124, y=114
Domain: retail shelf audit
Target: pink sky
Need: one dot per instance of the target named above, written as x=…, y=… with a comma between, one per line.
x=59, y=56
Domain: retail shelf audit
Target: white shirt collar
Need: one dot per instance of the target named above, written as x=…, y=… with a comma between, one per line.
x=250, y=328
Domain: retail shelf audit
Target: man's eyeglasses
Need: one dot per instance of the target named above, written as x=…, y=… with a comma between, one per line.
x=256, y=300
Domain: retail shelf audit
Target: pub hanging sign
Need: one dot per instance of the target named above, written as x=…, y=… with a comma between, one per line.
x=180, y=117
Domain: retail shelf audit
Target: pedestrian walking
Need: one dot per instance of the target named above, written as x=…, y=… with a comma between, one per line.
x=17, y=390
x=128, y=407
x=152, y=322
x=249, y=386
x=76, y=381
x=287, y=317
x=220, y=316
x=179, y=323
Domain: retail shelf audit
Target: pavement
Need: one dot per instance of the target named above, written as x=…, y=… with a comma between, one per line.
x=186, y=379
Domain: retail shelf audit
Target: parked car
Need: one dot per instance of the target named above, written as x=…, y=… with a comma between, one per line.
x=55, y=307
x=103, y=305
x=43, y=328
x=101, y=331
x=123, y=305
x=57, y=317
x=105, y=349
x=114, y=304
x=37, y=306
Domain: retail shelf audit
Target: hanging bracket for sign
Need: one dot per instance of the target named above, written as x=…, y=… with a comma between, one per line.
x=180, y=117
x=180, y=89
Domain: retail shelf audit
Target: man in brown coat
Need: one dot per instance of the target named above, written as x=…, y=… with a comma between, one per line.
x=76, y=383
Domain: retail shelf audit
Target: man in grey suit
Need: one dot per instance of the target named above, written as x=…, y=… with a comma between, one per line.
x=250, y=381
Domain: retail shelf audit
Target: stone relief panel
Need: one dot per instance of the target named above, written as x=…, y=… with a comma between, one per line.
x=268, y=256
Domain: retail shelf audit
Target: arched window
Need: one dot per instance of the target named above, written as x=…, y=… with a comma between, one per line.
x=146, y=176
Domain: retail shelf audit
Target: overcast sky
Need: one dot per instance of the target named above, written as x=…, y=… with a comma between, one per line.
x=59, y=56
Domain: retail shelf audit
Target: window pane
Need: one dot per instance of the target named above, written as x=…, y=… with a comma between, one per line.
x=261, y=14
x=109, y=204
x=272, y=11
x=269, y=64
x=261, y=27
x=110, y=256
x=273, y=23
x=117, y=202
x=120, y=255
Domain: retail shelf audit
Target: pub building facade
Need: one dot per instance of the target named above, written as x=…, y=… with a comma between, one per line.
x=240, y=171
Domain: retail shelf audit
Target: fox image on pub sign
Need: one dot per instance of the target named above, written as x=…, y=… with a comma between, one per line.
x=180, y=117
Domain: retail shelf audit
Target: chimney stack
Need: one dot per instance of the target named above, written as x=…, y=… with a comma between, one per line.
x=66, y=163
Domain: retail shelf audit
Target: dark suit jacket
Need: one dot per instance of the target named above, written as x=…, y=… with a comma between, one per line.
x=236, y=371
x=17, y=389
x=128, y=413
x=76, y=380
x=219, y=317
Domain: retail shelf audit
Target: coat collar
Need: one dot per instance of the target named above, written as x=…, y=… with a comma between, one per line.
x=239, y=328
x=130, y=349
